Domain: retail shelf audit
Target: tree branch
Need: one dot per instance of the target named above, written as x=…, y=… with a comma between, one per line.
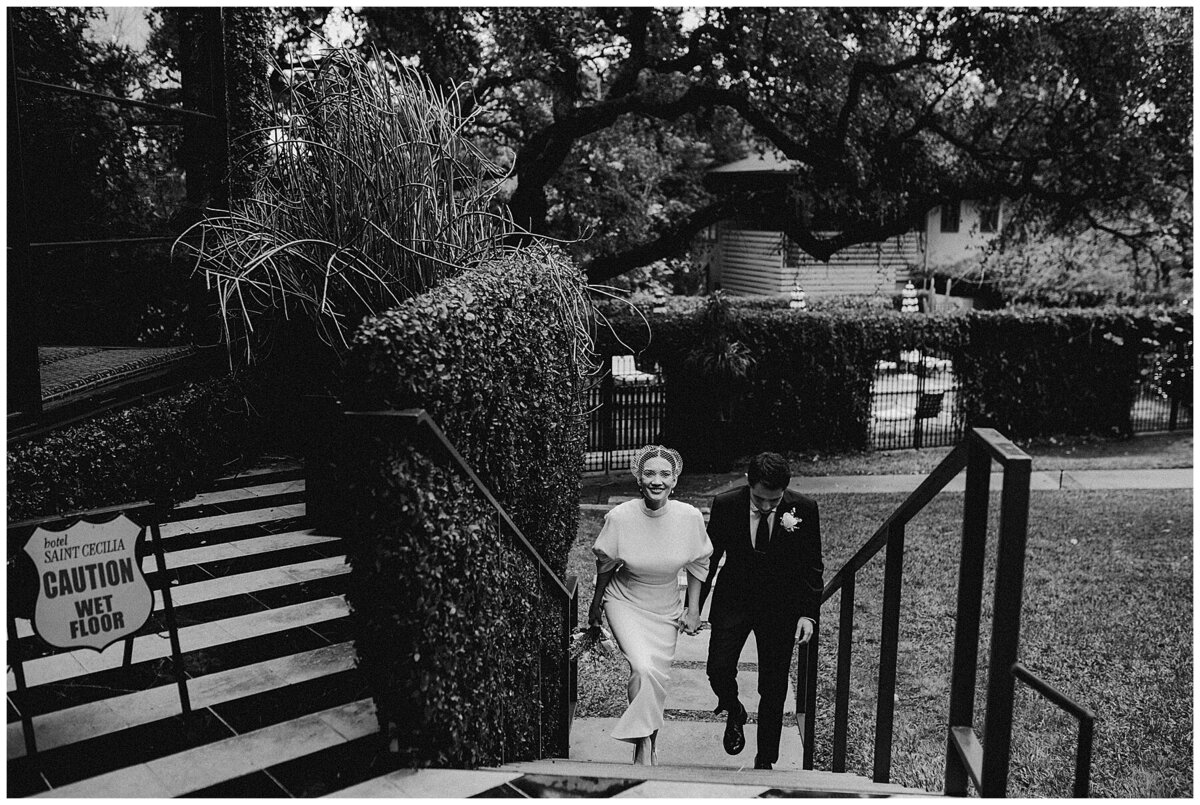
x=668, y=243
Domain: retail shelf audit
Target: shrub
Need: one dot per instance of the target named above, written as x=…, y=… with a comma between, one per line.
x=165, y=450
x=449, y=635
x=496, y=358
x=1026, y=373
x=1046, y=372
x=447, y=616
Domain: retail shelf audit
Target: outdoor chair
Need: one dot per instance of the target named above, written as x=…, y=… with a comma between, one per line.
x=625, y=371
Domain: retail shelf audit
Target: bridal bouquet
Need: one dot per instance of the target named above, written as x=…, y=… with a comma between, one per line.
x=591, y=641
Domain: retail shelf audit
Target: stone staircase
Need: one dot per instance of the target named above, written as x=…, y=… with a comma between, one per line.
x=278, y=708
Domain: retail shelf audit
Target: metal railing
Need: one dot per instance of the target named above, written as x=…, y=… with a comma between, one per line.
x=1085, y=717
x=557, y=673
x=965, y=757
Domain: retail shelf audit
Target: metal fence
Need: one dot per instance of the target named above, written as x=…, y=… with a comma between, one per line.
x=1164, y=400
x=625, y=412
x=915, y=403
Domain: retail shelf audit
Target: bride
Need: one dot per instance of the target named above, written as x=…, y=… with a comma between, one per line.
x=642, y=546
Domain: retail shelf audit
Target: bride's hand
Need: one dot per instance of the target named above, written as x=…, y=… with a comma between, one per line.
x=690, y=622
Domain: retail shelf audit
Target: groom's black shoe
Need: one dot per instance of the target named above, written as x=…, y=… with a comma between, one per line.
x=735, y=738
x=761, y=764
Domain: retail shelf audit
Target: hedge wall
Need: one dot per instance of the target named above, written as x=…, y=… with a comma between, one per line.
x=447, y=616
x=492, y=356
x=167, y=450
x=446, y=630
x=1050, y=372
x=1026, y=373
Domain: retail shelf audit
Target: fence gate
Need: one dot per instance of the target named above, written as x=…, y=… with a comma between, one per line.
x=915, y=402
x=625, y=411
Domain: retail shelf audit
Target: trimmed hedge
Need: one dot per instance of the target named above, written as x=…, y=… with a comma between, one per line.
x=443, y=605
x=1049, y=372
x=450, y=626
x=492, y=356
x=165, y=450
x=1026, y=373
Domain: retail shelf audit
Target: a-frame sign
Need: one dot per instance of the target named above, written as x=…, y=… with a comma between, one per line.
x=78, y=578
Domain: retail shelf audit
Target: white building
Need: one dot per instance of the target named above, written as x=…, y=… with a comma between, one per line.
x=752, y=258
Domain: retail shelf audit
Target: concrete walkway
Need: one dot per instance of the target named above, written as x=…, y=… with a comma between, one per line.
x=1055, y=479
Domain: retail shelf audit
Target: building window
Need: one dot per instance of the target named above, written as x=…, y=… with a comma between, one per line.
x=989, y=216
x=950, y=217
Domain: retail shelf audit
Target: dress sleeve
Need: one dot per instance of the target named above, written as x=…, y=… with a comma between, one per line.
x=702, y=548
x=607, y=546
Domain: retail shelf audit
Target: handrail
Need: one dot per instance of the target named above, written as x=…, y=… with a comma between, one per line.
x=943, y=474
x=966, y=759
x=419, y=417
x=1085, y=717
x=997, y=445
x=114, y=99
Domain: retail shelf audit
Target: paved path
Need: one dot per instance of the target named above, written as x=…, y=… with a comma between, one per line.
x=1054, y=479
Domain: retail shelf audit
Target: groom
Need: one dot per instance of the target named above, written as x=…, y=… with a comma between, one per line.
x=770, y=585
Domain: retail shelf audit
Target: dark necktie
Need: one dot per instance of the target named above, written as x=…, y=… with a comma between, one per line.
x=763, y=535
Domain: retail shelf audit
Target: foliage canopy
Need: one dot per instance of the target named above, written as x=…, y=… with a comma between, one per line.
x=611, y=115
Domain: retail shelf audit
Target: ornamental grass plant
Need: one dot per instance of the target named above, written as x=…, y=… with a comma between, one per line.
x=367, y=192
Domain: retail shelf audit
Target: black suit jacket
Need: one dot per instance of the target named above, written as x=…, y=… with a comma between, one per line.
x=785, y=581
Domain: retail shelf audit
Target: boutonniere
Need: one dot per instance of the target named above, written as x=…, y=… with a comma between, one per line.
x=789, y=521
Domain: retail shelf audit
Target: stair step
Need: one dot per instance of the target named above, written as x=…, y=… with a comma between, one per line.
x=430, y=783
x=110, y=715
x=72, y=664
x=273, y=473
x=204, y=766
x=688, y=689
x=682, y=741
x=821, y=782
x=216, y=522
x=225, y=501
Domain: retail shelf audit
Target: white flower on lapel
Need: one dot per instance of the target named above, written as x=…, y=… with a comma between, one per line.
x=789, y=521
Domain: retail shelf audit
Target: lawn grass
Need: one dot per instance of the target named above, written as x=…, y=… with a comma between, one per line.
x=1107, y=620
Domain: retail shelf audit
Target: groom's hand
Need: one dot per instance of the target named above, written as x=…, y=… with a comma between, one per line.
x=804, y=630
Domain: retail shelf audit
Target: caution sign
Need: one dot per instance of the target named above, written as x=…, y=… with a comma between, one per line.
x=91, y=590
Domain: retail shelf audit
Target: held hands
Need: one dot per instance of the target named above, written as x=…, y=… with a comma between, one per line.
x=689, y=623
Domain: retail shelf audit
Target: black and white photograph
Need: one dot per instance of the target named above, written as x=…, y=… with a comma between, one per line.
x=566, y=401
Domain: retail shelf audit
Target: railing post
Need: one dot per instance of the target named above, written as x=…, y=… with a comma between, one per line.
x=567, y=709
x=810, y=697
x=885, y=705
x=1006, y=624
x=841, y=711
x=970, y=602
x=1083, y=759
